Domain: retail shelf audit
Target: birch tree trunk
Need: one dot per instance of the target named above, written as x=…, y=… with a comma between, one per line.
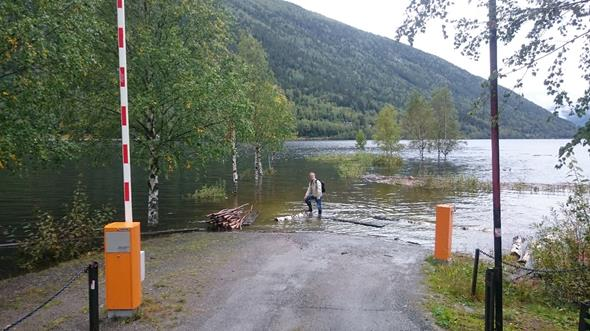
x=257, y=161
x=153, y=191
x=234, y=159
x=154, y=170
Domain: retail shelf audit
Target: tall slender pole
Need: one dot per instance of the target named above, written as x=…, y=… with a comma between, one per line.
x=93, y=296
x=126, y=150
x=495, y=163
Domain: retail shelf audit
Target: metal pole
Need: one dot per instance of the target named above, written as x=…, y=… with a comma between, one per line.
x=123, y=85
x=584, y=324
x=489, y=300
x=475, y=270
x=93, y=296
x=495, y=162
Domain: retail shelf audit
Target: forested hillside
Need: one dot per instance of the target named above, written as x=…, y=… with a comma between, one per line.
x=339, y=76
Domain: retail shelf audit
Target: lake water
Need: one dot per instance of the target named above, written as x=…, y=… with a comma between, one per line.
x=410, y=210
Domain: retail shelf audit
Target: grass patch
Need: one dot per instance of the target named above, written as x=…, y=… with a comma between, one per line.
x=211, y=192
x=526, y=306
x=387, y=162
x=356, y=165
x=455, y=184
x=56, y=323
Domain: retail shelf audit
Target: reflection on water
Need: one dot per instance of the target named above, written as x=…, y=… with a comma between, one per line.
x=408, y=211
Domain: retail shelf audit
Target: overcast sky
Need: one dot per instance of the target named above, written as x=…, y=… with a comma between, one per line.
x=382, y=17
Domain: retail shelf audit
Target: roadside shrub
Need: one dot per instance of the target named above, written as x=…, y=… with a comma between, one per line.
x=526, y=305
x=358, y=164
x=389, y=162
x=361, y=140
x=453, y=184
x=270, y=171
x=354, y=166
x=50, y=240
x=351, y=170
x=563, y=242
x=213, y=192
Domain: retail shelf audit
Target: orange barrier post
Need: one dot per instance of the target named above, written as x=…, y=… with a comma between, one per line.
x=444, y=232
x=122, y=245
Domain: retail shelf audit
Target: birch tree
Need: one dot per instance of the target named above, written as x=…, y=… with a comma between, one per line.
x=551, y=31
x=176, y=53
x=56, y=75
x=418, y=124
x=273, y=120
x=387, y=130
x=446, y=129
x=238, y=114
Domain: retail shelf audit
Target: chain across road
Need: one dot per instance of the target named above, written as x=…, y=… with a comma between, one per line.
x=534, y=271
x=68, y=283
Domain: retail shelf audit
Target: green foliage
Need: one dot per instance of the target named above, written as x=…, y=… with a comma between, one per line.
x=273, y=119
x=350, y=166
x=454, y=184
x=582, y=138
x=339, y=76
x=526, y=306
x=51, y=240
x=530, y=24
x=352, y=169
x=361, y=140
x=54, y=79
x=317, y=117
x=391, y=163
x=211, y=192
x=446, y=127
x=563, y=242
x=419, y=124
x=387, y=130
x=179, y=76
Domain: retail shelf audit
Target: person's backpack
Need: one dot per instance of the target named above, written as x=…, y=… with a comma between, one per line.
x=323, y=185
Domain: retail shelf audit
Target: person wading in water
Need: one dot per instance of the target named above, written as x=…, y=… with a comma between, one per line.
x=314, y=192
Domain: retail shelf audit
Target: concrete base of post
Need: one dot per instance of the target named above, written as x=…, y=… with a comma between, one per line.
x=121, y=313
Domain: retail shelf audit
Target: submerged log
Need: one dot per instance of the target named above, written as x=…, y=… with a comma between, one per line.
x=375, y=224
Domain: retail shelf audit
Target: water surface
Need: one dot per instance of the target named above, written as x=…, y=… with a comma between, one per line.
x=410, y=211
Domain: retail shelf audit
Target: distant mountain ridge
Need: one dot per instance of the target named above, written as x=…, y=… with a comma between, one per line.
x=340, y=76
x=577, y=120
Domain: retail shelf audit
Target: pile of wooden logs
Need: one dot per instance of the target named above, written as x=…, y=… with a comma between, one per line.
x=234, y=218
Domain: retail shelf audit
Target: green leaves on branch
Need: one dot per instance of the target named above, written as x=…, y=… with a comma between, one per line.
x=273, y=120
x=180, y=74
x=51, y=239
x=387, y=131
x=418, y=123
x=563, y=242
x=552, y=31
x=54, y=78
x=361, y=140
x=446, y=130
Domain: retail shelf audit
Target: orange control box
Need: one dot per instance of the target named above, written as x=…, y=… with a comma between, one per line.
x=444, y=232
x=122, y=245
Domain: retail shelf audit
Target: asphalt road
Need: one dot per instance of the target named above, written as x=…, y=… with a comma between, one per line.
x=318, y=281
x=243, y=281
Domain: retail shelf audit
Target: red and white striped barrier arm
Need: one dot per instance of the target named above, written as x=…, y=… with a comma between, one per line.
x=124, y=110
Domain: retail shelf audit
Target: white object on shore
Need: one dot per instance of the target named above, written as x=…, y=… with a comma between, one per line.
x=289, y=218
x=520, y=248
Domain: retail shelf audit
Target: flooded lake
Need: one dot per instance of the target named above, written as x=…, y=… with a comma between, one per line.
x=409, y=211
